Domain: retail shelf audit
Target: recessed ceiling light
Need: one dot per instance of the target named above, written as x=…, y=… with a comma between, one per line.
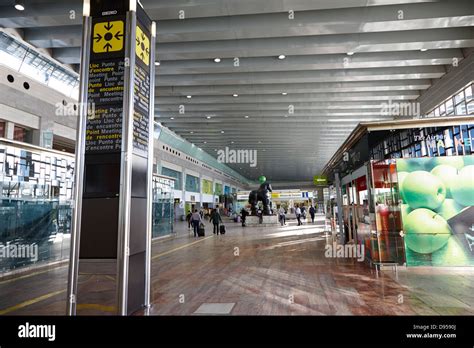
x=189, y=96
x=350, y=53
x=246, y=116
x=217, y=60
x=19, y=5
x=235, y=95
x=423, y=49
x=284, y=93
x=281, y=56
x=157, y=63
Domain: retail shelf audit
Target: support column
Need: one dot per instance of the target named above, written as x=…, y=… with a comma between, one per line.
x=339, y=207
x=9, y=130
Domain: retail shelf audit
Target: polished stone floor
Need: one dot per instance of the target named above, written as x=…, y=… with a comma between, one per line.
x=257, y=271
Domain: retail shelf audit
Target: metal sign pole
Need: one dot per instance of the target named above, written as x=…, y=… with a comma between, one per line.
x=79, y=168
x=123, y=249
x=151, y=123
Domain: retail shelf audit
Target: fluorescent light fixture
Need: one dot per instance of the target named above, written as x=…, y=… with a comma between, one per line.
x=86, y=8
x=157, y=63
x=423, y=49
x=284, y=93
x=222, y=132
x=133, y=5
x=205, y=142
x=19, y=5
x=231, y=142
x=217, y=60
x=246, y=116
x=235, y=95
x=191, y=132
x=189, y=96
x=281, y=56
x=171, y=118
x=350, y=53
x=153, y=27
x=208, y=117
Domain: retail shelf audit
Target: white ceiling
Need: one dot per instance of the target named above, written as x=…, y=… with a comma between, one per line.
x=329, y=90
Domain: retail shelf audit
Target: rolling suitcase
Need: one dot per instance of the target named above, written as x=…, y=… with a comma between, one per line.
x=201, y=231
x=222, y=229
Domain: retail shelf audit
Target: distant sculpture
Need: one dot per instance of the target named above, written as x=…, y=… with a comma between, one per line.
x=262, y=194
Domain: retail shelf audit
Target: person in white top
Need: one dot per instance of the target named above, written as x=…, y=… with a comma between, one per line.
x=282, y=212
x=298, y=215
x=195, y=221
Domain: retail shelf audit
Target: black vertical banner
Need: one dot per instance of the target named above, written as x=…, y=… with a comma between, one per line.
x=115, y=203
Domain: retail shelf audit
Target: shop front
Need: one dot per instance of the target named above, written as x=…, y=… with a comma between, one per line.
x=407, y=191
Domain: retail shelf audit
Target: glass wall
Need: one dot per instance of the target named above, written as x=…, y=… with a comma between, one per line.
x=459, y=104
x=35, y=205
x=163, y=206
x=18, y=56
x=174, y=174
x=207, y=187
x=192, y=183
x=386, y=244
x=36, y=188
x=218, y=189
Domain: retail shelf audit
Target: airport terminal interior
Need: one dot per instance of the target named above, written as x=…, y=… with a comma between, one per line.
x=237, y=157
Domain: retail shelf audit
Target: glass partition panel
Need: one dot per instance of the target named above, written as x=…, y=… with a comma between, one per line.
x=35, y=205
x=163, y=206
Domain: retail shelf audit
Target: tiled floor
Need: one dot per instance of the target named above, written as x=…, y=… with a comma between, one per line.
x=267, y=270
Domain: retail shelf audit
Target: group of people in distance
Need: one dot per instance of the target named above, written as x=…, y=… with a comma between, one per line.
x=195, y=220
x=300, y=214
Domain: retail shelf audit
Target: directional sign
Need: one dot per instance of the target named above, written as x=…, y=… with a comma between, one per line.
x=142, y=46
x=108, y=37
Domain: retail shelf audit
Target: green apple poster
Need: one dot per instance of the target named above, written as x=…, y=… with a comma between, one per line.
x=437, y=209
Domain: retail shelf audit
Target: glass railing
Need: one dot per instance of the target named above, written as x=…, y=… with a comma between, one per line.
x=36, y=205
x=33, y=232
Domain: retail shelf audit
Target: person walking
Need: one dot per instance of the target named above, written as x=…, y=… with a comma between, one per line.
x=312, y=212
x=188, y=219
x=282, y=212
x=298, y=215
x=244, y=214
x=196, y=221
x=215, y=218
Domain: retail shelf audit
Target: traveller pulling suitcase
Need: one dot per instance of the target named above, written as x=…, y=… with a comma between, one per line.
x=222, y=229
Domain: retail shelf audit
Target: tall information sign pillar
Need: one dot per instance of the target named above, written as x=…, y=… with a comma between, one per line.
x=111, y=235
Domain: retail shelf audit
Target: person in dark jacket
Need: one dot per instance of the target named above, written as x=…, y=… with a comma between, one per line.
x=215, y=218
x=188, y=219
x=244, y=214
x=312, y=212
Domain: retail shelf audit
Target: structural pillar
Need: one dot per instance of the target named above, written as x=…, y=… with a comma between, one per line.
x=339, y=208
